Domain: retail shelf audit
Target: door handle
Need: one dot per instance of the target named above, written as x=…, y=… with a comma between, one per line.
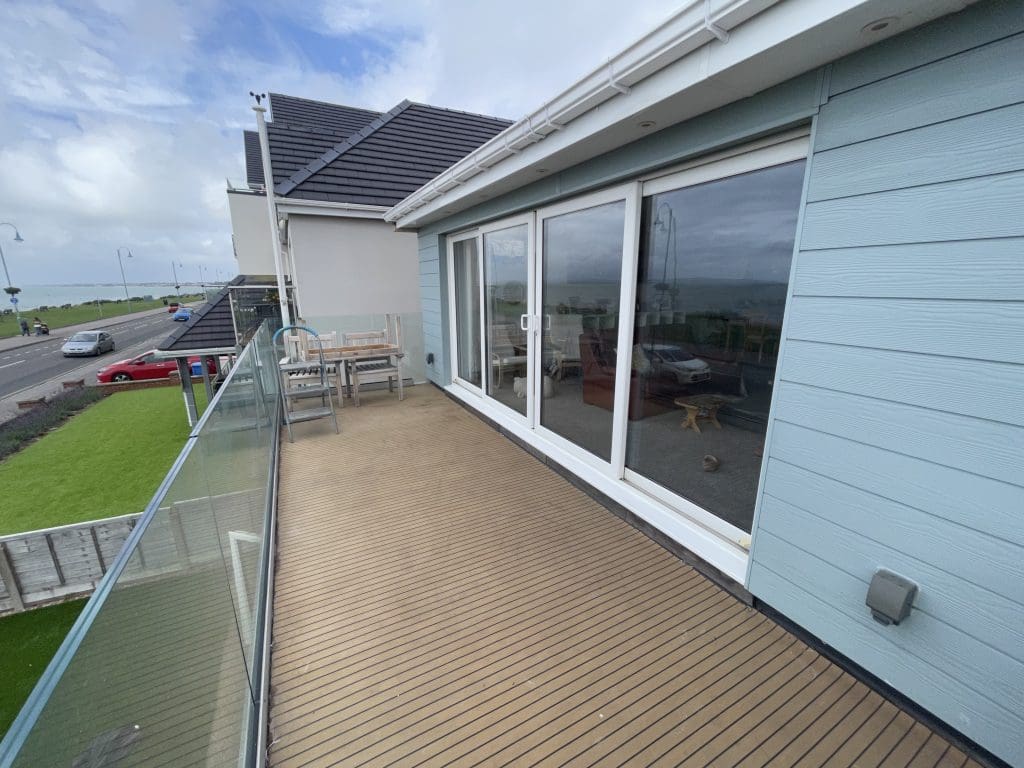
x=547, y=322
x=524, y=322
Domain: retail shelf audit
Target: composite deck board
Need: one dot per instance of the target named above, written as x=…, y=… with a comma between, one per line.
x=443, y=598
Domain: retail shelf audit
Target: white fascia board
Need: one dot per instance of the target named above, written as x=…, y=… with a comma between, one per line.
x=682, y=64
x=287, y=206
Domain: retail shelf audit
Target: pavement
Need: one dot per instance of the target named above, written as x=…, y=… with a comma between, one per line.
x=33, y=366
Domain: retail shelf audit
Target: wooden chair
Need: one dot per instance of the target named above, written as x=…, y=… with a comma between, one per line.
x=391, y=368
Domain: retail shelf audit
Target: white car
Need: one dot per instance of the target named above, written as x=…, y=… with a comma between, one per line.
x=671, y=361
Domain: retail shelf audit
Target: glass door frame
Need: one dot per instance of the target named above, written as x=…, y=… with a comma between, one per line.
x=775, y=150
x=529, y=219
x=630, y=194
x=453, y=313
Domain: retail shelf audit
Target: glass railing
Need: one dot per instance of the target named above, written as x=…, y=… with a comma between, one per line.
x=164, y=666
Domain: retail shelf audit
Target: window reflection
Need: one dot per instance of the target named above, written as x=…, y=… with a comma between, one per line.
x=506, y=272
x=711, y=291
x=467, y=310
x=582, y=272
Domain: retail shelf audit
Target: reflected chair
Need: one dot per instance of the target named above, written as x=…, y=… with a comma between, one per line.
x=507, y=349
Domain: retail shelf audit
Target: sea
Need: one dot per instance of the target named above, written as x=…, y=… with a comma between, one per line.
x=33, y=296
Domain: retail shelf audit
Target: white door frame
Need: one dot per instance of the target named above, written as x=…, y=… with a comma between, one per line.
x=453, y=323
x=627, y=193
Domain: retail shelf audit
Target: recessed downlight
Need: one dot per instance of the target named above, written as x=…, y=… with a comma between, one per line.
x=647, y=124
x=878, y=25
x=542, y=170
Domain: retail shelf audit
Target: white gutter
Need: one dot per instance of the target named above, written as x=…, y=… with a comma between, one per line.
x=698, y=23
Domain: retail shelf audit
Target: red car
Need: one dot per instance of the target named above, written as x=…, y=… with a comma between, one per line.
x=145, y=366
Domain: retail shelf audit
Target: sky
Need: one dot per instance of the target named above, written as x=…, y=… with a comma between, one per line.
x=122, y=120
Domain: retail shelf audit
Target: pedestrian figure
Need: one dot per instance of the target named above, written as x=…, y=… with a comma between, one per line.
x=24, y=326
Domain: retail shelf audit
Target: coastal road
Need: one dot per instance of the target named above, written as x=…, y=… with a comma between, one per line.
x=25, y=367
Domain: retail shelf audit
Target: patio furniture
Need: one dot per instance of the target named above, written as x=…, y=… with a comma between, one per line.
x=565, y=338
x=702, y=408
x=374, y=353
x=505, y=338
x=304, y=378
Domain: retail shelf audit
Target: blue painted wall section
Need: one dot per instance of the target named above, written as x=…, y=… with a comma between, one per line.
x=898, y=425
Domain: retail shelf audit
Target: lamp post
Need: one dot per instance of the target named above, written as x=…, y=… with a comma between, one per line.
x=123, y=280
x=268, y=186
x=10, y=290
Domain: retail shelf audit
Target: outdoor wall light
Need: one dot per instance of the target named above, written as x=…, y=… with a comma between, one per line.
x=890, y=597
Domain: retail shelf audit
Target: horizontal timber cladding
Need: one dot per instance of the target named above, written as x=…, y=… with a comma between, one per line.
x=897, y=434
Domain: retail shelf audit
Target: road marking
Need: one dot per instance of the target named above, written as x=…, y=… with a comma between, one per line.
x=16, y=362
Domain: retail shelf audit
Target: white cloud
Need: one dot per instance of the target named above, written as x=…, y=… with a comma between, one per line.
x=123, y=117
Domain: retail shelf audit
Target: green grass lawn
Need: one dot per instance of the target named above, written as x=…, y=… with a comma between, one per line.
x=57, y=318
x=106, y=461
x=27, y=643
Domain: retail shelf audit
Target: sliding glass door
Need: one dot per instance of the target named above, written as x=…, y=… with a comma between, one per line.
x=467, y=292
x=711, y=286
x=507, y=315
x=579, y=293
x=637, y=329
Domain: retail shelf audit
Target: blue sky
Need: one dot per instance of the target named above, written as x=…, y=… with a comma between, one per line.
x=123, y=118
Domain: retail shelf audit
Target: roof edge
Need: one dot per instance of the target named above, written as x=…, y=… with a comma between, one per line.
x=690, y=28
x=332, y=154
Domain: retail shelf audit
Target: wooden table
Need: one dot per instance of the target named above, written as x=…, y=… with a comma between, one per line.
x=346, y=357
x=702, y=408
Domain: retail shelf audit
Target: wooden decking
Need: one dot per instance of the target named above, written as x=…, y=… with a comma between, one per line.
x=443, y=598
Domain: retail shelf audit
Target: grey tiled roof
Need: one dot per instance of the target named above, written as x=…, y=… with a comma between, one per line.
x=336, y=118
x=334, y=153
x=392, y=156
x=210, y=326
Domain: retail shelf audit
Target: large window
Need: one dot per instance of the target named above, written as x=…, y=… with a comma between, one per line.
x=506, y=304
x=581, y=276
x=467, y=310
x=712, y=279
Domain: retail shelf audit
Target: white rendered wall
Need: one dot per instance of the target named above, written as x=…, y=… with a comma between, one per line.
x=353, y=266
x=350, y=272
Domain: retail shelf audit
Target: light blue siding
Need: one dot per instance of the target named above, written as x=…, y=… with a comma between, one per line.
x=897, y=433
x=945, y=37
x=432, y=299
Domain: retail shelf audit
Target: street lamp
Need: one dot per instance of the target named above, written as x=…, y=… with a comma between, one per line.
x=123, y=280
x=177, y=285
x=10, y=290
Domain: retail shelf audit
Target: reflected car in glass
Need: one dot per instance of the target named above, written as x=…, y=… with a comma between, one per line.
x=88, y=344
x=676, y=363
